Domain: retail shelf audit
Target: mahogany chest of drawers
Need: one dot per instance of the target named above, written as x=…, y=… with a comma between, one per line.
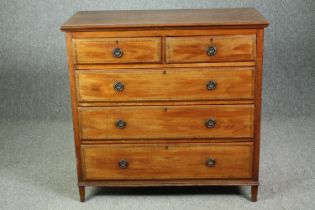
x=166, y=98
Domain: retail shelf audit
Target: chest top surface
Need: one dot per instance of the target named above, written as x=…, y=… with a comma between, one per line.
x=229, y=18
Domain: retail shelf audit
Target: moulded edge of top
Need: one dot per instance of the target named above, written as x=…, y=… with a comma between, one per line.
x=212, y=18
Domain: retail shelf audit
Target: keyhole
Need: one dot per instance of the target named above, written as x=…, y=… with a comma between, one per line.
x=166, y=147
x=116, y=41
x=165, y=109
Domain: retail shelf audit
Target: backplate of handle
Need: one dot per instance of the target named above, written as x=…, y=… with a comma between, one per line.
x=117, y=52
x=211, y=50
x=210, y=162
x=123, y=164
x=211, y=85
x=210, y=123
x=119, y=86
x=121, y=124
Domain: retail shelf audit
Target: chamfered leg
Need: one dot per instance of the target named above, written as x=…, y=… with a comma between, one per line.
x=82, y=193
x=254, y=191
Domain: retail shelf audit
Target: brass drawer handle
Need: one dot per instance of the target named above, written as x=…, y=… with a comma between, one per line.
x=117, y=52
x=210, y=162
x=211, y=50
x=119, y=87
x=121, y=124
x=123, y=164
x=210, y=123
x=211, y=85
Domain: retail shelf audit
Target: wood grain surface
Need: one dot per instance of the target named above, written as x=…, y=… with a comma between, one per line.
x=155, y=122
x=135, y=50
x=167, y=161
x=165, y=85
x=158, y=32
x=192, y=49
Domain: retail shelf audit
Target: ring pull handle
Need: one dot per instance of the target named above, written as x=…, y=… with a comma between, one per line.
x=117, y=52
x=121, y=124
x=211, y=50
x=119, y=86
x=211, y=85
x=210, y=162
x=210, y=123
x=123, y=164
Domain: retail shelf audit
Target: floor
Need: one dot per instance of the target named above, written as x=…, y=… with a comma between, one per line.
x=37, y=171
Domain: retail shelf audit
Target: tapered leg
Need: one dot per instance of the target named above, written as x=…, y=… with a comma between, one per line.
x=254, y=191
x=82, y=193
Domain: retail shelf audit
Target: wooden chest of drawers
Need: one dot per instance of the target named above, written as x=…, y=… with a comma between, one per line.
x=166, y=98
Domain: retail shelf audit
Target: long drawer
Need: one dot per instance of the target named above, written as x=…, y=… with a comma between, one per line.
x=167, y=122
x=167, y=161
x=165, y=84
x=117, y=50
x=210, y=48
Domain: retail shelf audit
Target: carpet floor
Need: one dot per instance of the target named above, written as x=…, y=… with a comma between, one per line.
x=37, y=171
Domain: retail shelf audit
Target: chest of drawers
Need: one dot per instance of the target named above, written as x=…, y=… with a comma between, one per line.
x=166, y=98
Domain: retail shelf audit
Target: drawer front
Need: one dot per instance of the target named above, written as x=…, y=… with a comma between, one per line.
x=170, y=85
x=210, y=49
x=117, y=50
x=167, y=161
x=172, y=122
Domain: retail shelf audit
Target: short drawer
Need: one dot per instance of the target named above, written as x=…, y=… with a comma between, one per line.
x=210, y=49
x=167, y=161
x=165, y=85
x=117, y=50
x=167, y=122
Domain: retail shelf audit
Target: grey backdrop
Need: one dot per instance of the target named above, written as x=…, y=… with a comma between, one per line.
x=37, y=162
x=33, y=69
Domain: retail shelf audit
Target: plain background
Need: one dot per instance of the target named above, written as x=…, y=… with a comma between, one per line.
x=37, y=163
